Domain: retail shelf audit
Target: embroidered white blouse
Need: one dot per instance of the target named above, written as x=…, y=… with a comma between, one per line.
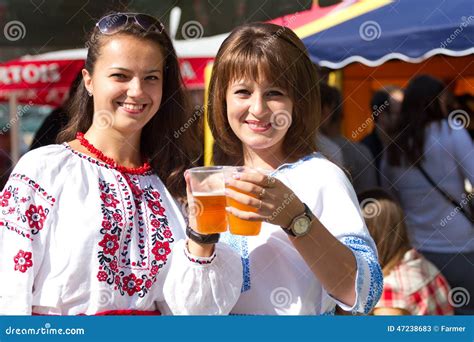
x=78, y=237
x=277, y=280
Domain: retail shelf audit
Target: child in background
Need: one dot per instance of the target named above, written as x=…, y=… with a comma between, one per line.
x=412, y=284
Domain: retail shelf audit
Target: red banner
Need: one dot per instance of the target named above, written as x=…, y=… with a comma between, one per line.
x=38, y=82
x=192, y=71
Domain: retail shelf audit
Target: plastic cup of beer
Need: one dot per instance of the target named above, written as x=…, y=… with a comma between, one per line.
x=208, y=190
x=238, y=226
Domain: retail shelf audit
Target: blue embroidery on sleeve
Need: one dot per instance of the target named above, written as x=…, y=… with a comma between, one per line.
x=239, y=244
x=363, y=250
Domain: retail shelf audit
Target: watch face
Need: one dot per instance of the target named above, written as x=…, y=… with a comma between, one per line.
x=301, y=226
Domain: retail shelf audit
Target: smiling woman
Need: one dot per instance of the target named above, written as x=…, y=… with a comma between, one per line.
x=87, y=226
x=314, y=251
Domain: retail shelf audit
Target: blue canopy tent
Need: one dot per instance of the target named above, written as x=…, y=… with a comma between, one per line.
x=409, y=30
x=379, y=42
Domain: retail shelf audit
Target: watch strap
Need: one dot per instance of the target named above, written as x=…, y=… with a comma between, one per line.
x=201, y=238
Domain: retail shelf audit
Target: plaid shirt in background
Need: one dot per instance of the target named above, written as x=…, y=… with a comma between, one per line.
x=417, y=286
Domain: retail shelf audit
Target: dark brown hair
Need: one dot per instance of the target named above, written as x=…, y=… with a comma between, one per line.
x=256, y=51
x=385, y=220
x=159, y=141
x=420, y=107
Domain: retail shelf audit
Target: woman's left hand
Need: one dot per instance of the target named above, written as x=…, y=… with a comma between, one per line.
x=273, y=200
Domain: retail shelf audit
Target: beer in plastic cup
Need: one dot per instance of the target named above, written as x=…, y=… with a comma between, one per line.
x=208, y=190
x=238, y=226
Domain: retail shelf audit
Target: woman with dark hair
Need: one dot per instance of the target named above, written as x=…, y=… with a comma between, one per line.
x=89, y=226
x=428, y=162
x=412, y=284
x=314, y=251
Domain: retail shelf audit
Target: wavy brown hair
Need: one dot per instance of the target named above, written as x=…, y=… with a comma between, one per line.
x=420, y=107
x=386, y=223
x=159, y=141
x=256, y=51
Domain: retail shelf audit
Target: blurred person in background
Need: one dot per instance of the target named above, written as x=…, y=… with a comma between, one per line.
x=385, y=106
x=412, y=284
x=329, y=149
x=357, y=158
x=429, y=146
x=466, y=104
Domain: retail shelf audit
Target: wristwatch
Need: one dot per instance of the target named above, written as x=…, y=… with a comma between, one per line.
x=301, y=224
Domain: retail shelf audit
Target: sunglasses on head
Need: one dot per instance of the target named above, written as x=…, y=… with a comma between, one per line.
x=113, y=23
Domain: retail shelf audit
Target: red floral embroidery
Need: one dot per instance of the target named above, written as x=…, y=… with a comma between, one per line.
x=36, y=216
x=106, y=224
x=102, y=276
x=132, y=253
x=161, y=250
x=156, y=207
x=109, y=200
x=23, y=261
x=154, y=270
x=113, y=266
x=5, y=197
x=109, y=243
x=131, y=284
x=155, y=223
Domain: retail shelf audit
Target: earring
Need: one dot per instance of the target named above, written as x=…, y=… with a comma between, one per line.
x=89, y=93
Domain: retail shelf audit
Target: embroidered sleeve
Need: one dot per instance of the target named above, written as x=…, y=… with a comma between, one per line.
x=25, y=208
x=338, y=210
x=203, y=286
x=369, y=279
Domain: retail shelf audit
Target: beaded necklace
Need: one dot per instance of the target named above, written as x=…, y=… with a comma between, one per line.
x=109, y=161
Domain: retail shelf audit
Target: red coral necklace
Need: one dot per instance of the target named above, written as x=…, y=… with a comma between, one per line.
x=109, y=161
